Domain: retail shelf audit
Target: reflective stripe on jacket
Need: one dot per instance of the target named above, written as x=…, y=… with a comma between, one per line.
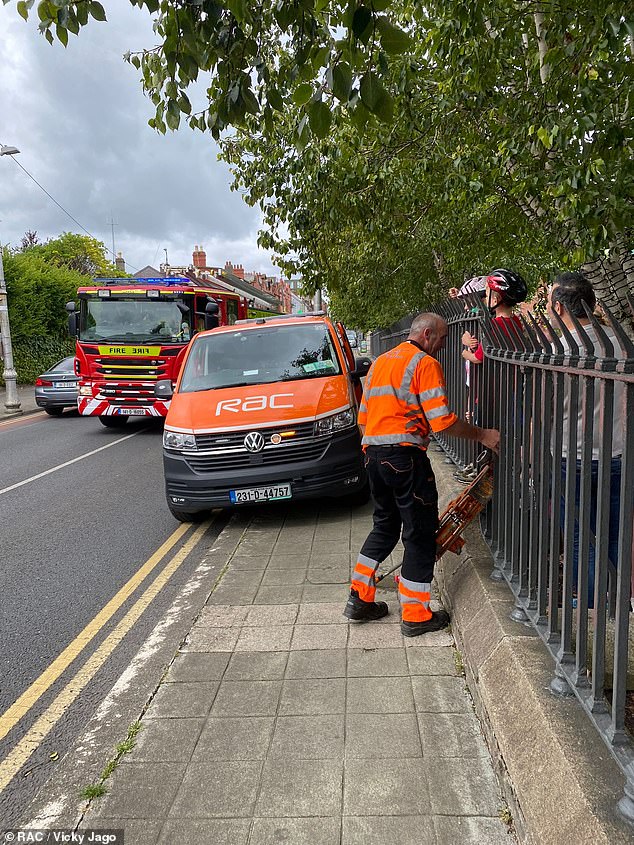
x=404, y=395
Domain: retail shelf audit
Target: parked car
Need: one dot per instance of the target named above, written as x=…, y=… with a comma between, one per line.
x=265, y=409
x=352, y=338
x=56, y=389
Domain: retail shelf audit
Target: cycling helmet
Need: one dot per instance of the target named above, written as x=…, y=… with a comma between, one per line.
x=510, y=285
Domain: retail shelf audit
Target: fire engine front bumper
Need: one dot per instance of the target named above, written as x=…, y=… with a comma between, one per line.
x=338, y=472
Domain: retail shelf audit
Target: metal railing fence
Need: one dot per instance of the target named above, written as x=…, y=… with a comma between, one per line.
x=560, y=522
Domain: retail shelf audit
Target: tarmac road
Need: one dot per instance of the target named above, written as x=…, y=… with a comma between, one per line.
x=82, y=509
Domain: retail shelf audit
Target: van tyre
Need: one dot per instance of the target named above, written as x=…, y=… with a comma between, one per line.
x=113, y=422
x=187, y=516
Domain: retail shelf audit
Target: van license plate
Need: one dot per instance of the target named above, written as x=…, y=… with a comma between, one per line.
x=132, y=412
x=260, y=494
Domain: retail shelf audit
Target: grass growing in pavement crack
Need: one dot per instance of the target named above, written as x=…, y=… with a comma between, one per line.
x=506, y=816
x=458, y=663
x=95, y=790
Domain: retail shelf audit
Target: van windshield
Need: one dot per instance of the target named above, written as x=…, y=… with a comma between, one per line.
x=260, y=356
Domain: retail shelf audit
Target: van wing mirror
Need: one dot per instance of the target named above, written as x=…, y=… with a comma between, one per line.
x=163, y=389
x=71, y=309
x=362, y=365
x=212, y=321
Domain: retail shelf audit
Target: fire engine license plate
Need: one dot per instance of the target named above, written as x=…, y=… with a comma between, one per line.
x=132, y=412
x=260, y=494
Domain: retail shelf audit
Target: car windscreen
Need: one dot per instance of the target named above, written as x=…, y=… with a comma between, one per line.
x=260, y=356
x=66, y=365
x=133, y=321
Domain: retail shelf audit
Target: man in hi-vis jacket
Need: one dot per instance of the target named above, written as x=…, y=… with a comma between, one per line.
x=403, y=399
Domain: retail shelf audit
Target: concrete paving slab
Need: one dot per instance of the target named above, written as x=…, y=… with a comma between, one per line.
x=379, y=695
x=206, y=638
x=232, y=595
x=432, y=661
x=182, y=700
x=308, y=737
x=375, y=635
x=282, y=577
x=139, y=791
x=435, y=639
x=319, y=831
x=247, y=698
x=269, y=638
x=165, y=741
x=376, y=663
x=135, y=831
x=217, y=789
x=315, y=695
x=391, y=788
x=318, y=636
x=452, y=735
x=257, y=666
x=444, y=695
x=374, y=736
x=389, y=830
x=288, y=561
x=471, y=830
x=192, y=832
x=319, y=593
x=456, y=789
x=219, y=616
x=249, y=563
x=300, y=788
x=198, y=666
x=318, y=663
x=324, y=613
x=283, y=594
x=276, y=614
x=246, y=738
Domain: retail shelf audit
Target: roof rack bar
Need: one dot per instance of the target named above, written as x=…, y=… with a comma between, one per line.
x=279, y=317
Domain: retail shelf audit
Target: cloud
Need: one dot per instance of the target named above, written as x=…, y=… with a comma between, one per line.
x=79, y=117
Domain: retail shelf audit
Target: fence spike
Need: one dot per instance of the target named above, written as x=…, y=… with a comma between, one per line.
x=607, y=347
x=627, y=347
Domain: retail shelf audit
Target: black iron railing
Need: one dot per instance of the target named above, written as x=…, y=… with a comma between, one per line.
x=562, y=395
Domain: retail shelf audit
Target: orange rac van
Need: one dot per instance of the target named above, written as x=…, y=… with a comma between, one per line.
x=264, y=410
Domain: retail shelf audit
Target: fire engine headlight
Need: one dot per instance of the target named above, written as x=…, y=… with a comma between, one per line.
x=176, y=440
x=337, y=422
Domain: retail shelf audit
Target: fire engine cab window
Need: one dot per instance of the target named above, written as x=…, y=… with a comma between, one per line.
x=260, y=356
x=133, y=321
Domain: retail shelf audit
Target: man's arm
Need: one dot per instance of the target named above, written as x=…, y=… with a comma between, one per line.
x=489, y=437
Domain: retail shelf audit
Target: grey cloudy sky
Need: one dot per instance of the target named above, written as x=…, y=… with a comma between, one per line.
x=79, y=118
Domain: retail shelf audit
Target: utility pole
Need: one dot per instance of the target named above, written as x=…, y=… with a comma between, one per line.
x=166, y=261
x=112, y=225
x=12, y=404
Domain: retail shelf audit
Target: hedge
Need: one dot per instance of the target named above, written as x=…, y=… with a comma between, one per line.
x=34, y=356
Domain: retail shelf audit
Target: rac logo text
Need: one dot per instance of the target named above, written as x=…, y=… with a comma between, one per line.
x=254, y=403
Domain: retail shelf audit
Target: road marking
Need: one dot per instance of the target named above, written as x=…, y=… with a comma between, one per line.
x=68, y=463
x=23, y=704
x=30, y=742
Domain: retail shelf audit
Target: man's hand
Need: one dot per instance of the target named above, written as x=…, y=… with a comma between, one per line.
x=490, y=439
x=454, y=293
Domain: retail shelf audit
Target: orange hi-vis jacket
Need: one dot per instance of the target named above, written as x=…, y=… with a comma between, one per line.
x=404, y=396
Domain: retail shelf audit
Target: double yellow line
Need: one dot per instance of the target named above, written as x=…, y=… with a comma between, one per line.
x=29, y=743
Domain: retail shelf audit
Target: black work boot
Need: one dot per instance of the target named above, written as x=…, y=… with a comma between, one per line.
x=439, y=620
x=364, y=611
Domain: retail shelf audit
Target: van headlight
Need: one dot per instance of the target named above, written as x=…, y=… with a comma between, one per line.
x=177, y=440
x=336, y=422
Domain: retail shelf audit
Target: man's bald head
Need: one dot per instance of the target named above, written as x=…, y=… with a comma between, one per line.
x=429, y=331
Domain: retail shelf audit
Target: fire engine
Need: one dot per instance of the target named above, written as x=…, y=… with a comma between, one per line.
x=132, y=332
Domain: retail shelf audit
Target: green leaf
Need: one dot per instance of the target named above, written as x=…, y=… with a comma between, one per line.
x=302, y=94
x=250, y=102
x=319, y=117
x=238, y=9
x=342, y=81
x=275, y=99
x=371, y=90
x=184, y=104
x=23, y=10
x=544, y=137
x=361, y=23
x=384, y=108
x=393, y=39
x=62, y=35
x=173, y=116
x=97, y=11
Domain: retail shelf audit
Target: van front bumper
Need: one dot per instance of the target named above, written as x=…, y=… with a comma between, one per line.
x=338, y=471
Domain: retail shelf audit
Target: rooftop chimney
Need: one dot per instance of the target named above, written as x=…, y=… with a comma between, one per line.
x=200, y=257
x=119, y=262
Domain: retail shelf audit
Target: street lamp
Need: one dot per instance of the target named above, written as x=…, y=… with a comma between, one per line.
x=12, y=405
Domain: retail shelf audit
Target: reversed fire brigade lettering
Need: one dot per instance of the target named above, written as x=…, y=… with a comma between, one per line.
x=253, y=403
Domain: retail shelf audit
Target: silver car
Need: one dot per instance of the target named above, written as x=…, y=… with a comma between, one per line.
x=56, y=389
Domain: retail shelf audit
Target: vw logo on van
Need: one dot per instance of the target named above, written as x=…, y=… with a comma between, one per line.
x=254, y=441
